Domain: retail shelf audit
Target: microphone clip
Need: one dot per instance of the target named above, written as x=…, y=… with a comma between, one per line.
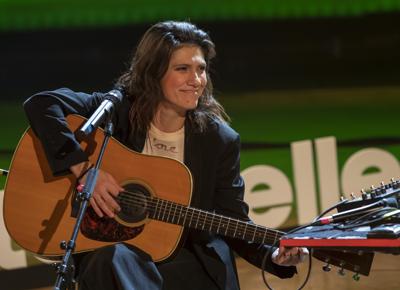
x=104, y=112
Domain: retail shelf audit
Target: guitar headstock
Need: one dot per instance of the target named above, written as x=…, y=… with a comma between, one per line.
x=359, y=263
x=373, y=194
x=348, y=247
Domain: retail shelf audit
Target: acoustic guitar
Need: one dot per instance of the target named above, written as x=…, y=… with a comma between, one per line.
x=155, y=208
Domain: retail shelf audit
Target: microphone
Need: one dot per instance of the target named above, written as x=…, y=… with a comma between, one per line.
x=344, y=215
x=111, y=100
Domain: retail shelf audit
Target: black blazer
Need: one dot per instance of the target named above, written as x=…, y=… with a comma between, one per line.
x=213, y=157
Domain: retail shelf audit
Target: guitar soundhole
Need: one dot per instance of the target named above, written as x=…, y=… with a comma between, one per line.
x=128, y=223
x=133, y=203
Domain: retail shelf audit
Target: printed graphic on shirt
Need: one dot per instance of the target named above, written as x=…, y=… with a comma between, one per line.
x=164, y=144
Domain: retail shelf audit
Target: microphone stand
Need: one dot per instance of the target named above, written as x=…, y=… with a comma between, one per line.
x=66, y=269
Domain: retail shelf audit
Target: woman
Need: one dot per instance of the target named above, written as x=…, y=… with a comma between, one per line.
x=168, y=110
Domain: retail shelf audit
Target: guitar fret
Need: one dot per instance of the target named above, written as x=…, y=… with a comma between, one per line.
x=265, y=233
x=164, y=210
x=212, y=219
x=173, y=210
x=234, y=233
x=205, y=219
x=244, y=231
x=219, y=224
x=197, y=221
x=158, y=216
x=169, y=210
x=173, y=216
x=191, y=217
x=165, y=215
x=254, y=235
x=276, y=235
x=180, y=214
x=184, y=219
x=227, y=226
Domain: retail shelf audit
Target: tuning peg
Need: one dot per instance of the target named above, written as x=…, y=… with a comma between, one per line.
x=342, y=198
x=382, y=188
x=341, y=270
x=390, y=185
x=373, y=191
x=356, y=277
x=327, y=267
x=364, y=195
x=353, y=196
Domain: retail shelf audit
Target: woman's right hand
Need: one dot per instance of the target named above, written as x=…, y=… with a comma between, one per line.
x=105, y=191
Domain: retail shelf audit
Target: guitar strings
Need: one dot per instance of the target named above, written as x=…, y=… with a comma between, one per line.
x=206, y=221
x=140, y=198
x=242, y=229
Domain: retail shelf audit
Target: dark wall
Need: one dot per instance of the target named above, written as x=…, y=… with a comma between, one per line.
x=290, y=54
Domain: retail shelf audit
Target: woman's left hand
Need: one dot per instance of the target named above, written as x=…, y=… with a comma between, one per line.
x=289, y=256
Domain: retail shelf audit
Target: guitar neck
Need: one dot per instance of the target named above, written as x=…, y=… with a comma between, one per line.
x=170, y=212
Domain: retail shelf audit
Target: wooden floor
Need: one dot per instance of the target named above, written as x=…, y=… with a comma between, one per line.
x=385, y=274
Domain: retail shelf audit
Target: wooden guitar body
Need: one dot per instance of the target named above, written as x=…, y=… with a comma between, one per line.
x=37, y=205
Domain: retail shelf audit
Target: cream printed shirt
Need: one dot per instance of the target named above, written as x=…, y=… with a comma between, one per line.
x=164, y=144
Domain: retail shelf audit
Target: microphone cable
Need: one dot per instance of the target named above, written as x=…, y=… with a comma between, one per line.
x=268, y=253
x=371, y=217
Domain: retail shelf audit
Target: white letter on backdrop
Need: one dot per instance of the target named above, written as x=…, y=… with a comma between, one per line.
x=279, y=194
x=353, y=174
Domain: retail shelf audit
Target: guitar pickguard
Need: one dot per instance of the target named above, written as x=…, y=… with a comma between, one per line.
x=106, y=229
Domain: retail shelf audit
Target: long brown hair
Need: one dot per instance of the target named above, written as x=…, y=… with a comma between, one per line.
x=150, y=63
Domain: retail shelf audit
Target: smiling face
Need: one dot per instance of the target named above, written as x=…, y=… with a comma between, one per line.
x=184, y=81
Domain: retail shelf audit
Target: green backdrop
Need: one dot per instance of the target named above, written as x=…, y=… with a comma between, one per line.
x=28, y=14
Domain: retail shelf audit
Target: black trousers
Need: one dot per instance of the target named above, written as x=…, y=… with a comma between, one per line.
x=125, y=267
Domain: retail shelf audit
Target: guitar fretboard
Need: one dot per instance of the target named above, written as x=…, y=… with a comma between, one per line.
x=170, y=212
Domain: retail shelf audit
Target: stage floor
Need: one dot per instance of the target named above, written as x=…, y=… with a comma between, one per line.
x=385, y=274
